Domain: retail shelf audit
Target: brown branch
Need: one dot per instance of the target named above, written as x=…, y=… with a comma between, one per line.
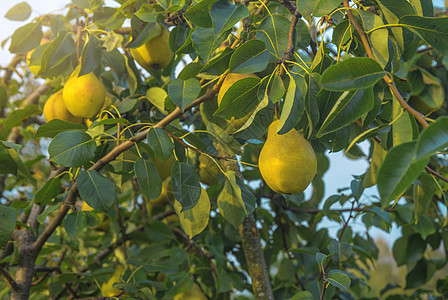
x=33, y=98
x=417, y=115
x=9, y=279
x=440, y=176
x=291, y=33
x=71, y=198
x=11, y=67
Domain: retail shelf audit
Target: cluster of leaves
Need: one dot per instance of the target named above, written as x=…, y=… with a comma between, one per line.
x=319, y=70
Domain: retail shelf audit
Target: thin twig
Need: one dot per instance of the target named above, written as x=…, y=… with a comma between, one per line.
x=9, y=279
x=417, y=115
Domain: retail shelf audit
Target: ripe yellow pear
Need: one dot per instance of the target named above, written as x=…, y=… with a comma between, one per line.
x=194, y=294
x=84, y=96
x=227, y=83
x=55, y=108
x=156, y=53
x=208, y=170
x=287, y=162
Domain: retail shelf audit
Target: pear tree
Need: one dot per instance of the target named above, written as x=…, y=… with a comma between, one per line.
x=136, y=160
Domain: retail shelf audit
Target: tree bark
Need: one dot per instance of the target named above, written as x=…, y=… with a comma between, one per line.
x=250, y=241
x=25, y=267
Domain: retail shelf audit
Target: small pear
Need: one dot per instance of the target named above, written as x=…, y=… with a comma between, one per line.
x=84, y=95
x=156, y=53
x=231, y=78
x=55, y=108
x=287, y=162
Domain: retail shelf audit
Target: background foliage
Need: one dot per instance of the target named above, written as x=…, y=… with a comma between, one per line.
x=342, y=73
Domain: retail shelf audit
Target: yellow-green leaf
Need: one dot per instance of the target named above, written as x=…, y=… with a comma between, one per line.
x=195, y=220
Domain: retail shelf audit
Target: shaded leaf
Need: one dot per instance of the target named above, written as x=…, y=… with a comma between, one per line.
x=352, y=74
x=251, y=57
x=96, y=190
x=161, y=143
x=148, y=178
x=194, y=220
x=185, y=183
x=184, y=92
x=398, y=171
x=72, y=148
x=8, y=218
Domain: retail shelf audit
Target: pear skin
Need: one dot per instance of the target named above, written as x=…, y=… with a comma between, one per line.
x=156, y=53
x=84, y=96
x=55, y=108
x=287, y=162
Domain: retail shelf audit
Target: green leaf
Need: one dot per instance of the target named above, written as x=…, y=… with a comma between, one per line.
x=433, y=138
x=148, y=178
x=16, y=117
x=294, y=105
x=90, y=56
x=433, y=30
x=22, y=169
x=51, y=189
x=249, y=199
x=324, y=7
x=57, y=56
x=161, y=143
x=157, y=97
x=7, y=163
x=225, y=14
x=352, y=74
x=88, y=4
x=251, y=57
x=398, y=171
x=8, y=218
x=303, y=295
x=26, y=38
x=339, y=280
x=56, y=126
x=184, y=92
x=199, y=14
x=205, y=41
x=143, y=32
x=75, y=223
x=146, y=13
x=43, y=216
x=194, y=220
x=306, y=8
x=19, y=12
x=240, y=99
x=392, y=11
x=273, y=31
x=72, y=148
x=378, y=38
x=348, y=108
x=185, y=183
x=230, y=202
x=98, y=191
